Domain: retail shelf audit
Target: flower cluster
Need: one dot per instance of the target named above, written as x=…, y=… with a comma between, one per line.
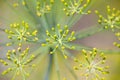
x=111, y=22
x=43, y=8
x=20, y=32
x=75, y=7
x=117, y=34
x=18, y=61
x=93, y=67
x=22, y=2
x=58, y=37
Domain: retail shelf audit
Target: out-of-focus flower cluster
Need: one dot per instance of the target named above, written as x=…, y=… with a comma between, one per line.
x=18, y=61
x=92, y=65
x=111, y=21
x=73, y=7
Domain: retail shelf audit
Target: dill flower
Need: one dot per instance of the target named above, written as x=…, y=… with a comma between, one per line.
x=58, y=37
x=21, y=32
x=75, y=7
x=18, y=61
x=43, y=8
x=112, y=20
x=93, y=67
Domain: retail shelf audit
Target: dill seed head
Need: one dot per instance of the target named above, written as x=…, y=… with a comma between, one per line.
x=21, y=32
x=43, y=7
x=75, y=7
x=59, y=37
x=18, y=61
x=93, y=67
x=112, y=19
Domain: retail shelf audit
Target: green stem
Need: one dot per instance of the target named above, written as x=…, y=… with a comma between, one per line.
x=31, y=13
x=69, y=68
x=15, y=11
x=47, y=75
x=57, y=66
x=15, y=73
x=79, y=47
x=44, y=22
x=21, y=15
x=88, y=32
x=24, y=78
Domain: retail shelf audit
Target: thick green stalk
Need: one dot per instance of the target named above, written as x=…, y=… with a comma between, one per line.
x=56, y=65
x=44, y=21
x=69, y=68
x=47, y=75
